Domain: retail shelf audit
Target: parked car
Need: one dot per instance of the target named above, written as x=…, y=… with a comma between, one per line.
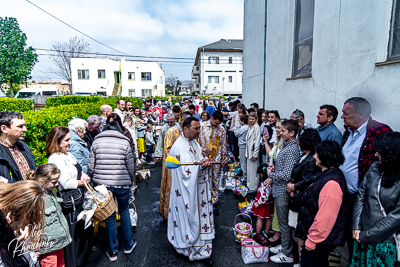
x=30, y=93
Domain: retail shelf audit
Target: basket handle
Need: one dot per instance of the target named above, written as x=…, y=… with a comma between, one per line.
x=251, y=221
x=89, y=188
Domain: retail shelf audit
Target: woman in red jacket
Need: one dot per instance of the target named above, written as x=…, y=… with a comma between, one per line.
x=160, y=110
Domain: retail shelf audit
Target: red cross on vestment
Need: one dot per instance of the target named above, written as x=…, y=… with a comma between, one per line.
x=178, y=194
x=205, y=227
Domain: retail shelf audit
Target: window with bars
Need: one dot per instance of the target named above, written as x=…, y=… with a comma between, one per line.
x=303, y=37
x=83, y=74
x=394, y=39
x=146, y=76
x=213, y=60
x=131, y=76
x=101, y=74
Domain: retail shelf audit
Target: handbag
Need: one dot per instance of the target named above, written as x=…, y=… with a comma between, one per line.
x=71, y=198
x=295, y=201
x=261, y=239
x=252, y=252
x=395, y=236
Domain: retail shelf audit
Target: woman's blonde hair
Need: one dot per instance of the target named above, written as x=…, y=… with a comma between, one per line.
x=25, y=201
x=149, y=127
x=43, y=173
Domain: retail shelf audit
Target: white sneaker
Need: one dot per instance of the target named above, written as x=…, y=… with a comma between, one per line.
x=281, y=258
x=276, y=249
x=142, y=161
x=151, y=163
x=296, y=265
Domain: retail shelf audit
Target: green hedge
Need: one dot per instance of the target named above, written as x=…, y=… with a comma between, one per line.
x=39, y=123
x=68, y=100
x=18, y=105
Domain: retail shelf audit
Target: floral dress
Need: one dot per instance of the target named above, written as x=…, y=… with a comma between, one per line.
x=266, y=205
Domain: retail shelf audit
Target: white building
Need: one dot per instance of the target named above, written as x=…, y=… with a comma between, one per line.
x=322, y=52
x=218, y=68
x=117, y=77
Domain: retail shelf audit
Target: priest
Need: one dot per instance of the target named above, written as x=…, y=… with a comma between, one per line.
x=212, y=139
x=170, y=137
x=191, y=219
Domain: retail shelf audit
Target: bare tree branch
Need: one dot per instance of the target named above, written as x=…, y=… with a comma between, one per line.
x=75, y=47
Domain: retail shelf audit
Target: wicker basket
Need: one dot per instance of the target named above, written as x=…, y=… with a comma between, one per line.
x=104, y=210
x=243, y=234
x=233, y=166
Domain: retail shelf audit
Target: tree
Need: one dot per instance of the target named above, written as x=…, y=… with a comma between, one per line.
x=75, y=47
x=16, y=61
x=172, y=81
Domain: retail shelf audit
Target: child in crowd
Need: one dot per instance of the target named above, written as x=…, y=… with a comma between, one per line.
x=241, y=133
x=56, y=230
x=149, y=143
x=263, y=206
x=143, y=118
x=128, y=121
x=279, y=175
x=252, y=147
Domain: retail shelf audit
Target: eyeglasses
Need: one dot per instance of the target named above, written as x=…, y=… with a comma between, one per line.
x=170, y=122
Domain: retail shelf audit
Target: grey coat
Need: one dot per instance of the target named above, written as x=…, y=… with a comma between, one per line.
x=111, y=159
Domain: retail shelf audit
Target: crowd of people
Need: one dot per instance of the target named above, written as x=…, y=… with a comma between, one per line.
x=325, y=187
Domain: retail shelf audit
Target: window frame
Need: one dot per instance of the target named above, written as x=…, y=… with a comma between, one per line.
x=145, y=79
x=86, y=71
x=213, y=79
x=146, y=90
x=213, y=60
x=98, y=73
x=394, y=42
x=230, y=60
x=306, y=69
x=134, y=76
x=230, y=79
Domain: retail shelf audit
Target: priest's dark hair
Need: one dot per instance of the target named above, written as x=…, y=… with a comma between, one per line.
x=217, y=115
x=188, y=121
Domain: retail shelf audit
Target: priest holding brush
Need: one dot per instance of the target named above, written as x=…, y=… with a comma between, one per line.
x=191, y=219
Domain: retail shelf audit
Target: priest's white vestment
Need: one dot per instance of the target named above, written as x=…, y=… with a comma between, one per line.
x=191, y=219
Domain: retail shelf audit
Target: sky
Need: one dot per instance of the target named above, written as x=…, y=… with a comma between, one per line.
x=164, y=28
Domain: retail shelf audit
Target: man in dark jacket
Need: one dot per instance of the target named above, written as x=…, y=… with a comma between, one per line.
x=15, y=156
x=360, y=133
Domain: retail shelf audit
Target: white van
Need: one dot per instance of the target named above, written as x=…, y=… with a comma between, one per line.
x=31, y=92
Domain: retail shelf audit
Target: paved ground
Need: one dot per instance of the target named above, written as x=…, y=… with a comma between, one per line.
x=153, y=248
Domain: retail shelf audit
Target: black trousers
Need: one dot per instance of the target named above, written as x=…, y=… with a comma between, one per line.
x=319, y=257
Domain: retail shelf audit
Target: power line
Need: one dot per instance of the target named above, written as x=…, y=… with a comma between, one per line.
x=75, y=28
x=113, y=55
x=162, y=61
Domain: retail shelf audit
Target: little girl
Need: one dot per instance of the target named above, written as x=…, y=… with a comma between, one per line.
x=143, y=118
x=263, y=206
x=149, y=143
x=56, y=231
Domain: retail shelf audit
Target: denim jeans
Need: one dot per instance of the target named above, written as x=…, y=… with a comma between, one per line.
x=122, y=196
x=149, y=152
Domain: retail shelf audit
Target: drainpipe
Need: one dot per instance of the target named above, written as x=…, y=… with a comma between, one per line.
x=265, y=50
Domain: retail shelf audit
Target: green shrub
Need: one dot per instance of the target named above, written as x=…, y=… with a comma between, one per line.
x=77, y=99
x=18, y=105
x=39, y=123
